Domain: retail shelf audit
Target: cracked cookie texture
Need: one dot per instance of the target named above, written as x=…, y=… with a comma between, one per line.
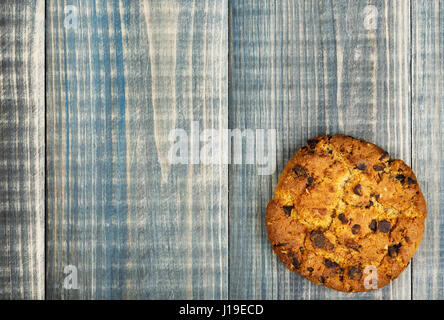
x=345, y=215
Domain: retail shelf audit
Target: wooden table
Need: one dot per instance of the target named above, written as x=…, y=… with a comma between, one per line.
x=89, y=94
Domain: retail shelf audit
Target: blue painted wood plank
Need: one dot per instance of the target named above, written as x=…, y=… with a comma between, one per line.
x=428, y=133
x=307, y=68
x=22, y=150
x=119, y=81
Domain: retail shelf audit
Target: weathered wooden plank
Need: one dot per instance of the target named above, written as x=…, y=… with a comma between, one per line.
x=22, y=150
x=178, y=237
x=428, y=133
x=133, y=224
x=307, y=68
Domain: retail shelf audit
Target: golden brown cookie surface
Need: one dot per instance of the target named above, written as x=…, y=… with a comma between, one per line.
x=345, y=215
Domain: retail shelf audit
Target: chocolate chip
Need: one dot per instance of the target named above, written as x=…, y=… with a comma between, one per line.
x=330, y=264
x=394, y=250
x=361, y=166
x=355, y=273
x=400, y=178
x=384, y=226
x=322, y=279
x=373, y=225
x=356, y=229
x=280, y=244
x=343, y=218
x=329, y=151
x=287, y=210
x=410, y=181
x=295, y=263
x=342, y=150
x=358, y=190
x=370, y=203
x=310, y=269
x=384, y=156
x=320, y=240
x=299, y=170
x=341, y=277
x=309, y=181
x=379, y=167
x=312, y=143
x=352, y=245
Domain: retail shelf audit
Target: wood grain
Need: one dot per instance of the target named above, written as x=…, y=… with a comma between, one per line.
x=307, y=68
x=428, y=133
x=133, y=224
x=119, y=81
x=22, y=150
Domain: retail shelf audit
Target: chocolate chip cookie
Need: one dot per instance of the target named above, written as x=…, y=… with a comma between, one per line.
x=345, y=215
